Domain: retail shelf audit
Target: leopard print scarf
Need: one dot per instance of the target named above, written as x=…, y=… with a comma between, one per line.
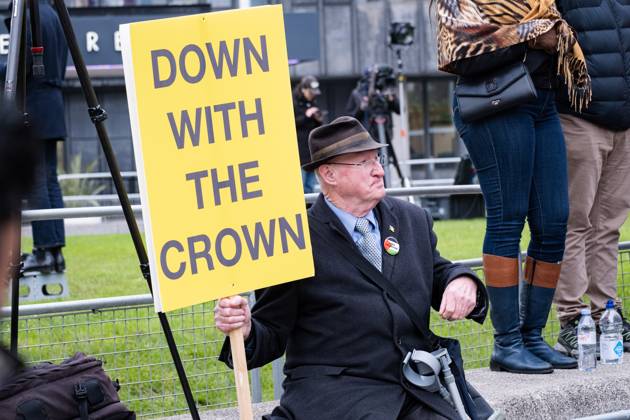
x=468, y=28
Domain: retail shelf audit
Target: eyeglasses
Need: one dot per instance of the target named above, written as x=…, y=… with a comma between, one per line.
x=380, y=159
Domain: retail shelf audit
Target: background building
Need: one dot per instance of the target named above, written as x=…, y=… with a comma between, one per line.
x=347, y=36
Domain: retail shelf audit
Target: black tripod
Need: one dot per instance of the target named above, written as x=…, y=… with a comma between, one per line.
x=380, y=119
x=16, y=80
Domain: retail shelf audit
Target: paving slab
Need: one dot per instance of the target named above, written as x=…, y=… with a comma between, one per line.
x=564, y=394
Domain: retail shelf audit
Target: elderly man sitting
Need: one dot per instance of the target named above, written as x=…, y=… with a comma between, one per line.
x=344, y=336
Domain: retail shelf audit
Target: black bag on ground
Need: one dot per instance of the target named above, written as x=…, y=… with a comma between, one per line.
x=77, y=388
x=507, y=87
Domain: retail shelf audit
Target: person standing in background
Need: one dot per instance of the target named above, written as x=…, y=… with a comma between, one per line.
x=45, y=106
x=521, y=165
x=598, y=150
x=307, y=117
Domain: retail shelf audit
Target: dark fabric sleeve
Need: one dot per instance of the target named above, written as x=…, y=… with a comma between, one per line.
x=250, y=344
x=300, y=119
x=394, y=105
x=300, y=116
x=353, y=107
x=273, y=318
x=474, y=66
x=444, y=271
x=478, y=314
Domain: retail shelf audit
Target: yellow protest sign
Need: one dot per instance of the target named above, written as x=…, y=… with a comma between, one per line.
x=216, y=153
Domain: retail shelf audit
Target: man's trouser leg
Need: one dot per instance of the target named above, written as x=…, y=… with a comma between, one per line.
x=609, y=212
x=586, y=145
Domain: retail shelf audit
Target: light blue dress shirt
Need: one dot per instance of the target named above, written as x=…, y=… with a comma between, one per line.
x=349, y=221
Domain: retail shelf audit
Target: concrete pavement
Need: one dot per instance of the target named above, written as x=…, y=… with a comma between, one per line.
x=564, y=394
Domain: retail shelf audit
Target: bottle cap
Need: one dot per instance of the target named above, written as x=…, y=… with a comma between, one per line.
x=610, y=304
x=585, y=312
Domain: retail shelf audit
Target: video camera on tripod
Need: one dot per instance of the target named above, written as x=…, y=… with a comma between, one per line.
x=377, y=105
x=381, y=89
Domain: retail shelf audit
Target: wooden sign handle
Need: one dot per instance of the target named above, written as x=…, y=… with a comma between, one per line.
x=237, y=344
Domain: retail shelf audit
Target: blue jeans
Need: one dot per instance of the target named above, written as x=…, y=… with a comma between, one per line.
x=46, y=194
x=309, y=181
x=521, y=163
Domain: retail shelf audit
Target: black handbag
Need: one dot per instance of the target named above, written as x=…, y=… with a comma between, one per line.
x=507, y=87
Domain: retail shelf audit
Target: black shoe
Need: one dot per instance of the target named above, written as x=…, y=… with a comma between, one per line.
x=567, y=339
x=40, y=260
x=625, y=332
x=60, y=261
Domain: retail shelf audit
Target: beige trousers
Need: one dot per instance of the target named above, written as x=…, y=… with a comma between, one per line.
x=599, y=200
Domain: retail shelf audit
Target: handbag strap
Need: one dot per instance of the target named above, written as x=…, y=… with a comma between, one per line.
x=376, y=277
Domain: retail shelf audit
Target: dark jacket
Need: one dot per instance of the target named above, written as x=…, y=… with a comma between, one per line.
x=303, y=125
x=603, y=31
x=44, y=97
x=345, y=339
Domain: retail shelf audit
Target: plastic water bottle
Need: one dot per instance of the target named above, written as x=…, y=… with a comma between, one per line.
x=610, y=340
x=587, y=342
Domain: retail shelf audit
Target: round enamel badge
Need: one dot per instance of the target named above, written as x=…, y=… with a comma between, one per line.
x=391, y=245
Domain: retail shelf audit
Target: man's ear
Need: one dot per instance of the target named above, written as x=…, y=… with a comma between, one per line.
x=327, y=174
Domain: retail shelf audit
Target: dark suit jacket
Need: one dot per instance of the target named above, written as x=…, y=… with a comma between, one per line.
x=344, y=338
x=44, y=97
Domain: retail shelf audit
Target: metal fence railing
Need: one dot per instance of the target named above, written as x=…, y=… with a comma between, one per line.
x=129, y=340
x=125, y=333
x=78, y=212
x=134, y=197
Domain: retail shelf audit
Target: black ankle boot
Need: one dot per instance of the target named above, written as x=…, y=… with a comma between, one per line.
x=40, y=260
x=60, y=261
x=537, y=293
x=509, y=353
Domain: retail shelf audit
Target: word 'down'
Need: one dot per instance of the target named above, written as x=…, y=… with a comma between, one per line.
x=192, y=61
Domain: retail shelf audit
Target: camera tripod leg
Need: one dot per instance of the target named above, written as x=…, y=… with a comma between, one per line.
x=16, y=36
x=380, y=126
x=403, y=179
x=16, y=274
x=392, y=153
x=389, y=152
x=15, y=80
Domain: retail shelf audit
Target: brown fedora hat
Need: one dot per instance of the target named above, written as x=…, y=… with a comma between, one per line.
x=343, y=135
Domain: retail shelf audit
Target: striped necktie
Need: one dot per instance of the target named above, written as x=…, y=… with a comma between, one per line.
x=368, y=244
